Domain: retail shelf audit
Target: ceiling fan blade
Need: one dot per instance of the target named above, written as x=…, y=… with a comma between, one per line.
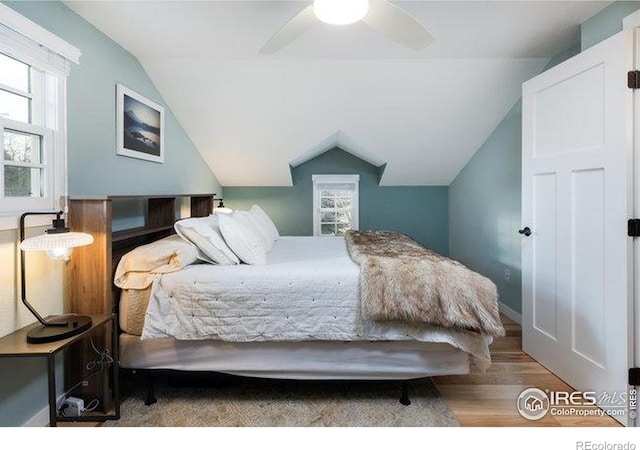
x=292, y=30
x=397, y=25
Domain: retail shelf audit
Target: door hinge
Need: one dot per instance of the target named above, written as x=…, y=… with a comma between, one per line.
x=633, y=227
x=633, y=79
x=634, y=376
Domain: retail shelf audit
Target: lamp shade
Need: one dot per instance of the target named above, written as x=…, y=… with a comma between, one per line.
x=221, y=209
x=340, y=12
x=57, y=245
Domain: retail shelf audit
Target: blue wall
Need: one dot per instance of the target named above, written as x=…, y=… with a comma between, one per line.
x=484, y=208
x=419, y=211
x=485, y=198
x=485, y=205
x=23, y=391
x=606, y=23
x=94, y=167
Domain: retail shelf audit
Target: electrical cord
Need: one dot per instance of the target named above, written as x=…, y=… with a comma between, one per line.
x=95, y=367
x=93, y=404
x=104, y=358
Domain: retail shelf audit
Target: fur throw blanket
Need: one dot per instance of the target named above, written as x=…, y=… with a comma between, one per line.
x=401, y=280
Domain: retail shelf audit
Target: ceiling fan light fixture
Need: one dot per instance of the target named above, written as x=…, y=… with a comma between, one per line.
x=340, y=12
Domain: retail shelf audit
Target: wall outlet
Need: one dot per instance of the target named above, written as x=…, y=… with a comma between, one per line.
x=507, y=274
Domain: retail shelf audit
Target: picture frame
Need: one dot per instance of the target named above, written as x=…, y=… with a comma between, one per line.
x=139, y=126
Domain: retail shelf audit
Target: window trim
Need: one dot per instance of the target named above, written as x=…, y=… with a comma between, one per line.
x=336, y=179
x=51, y=59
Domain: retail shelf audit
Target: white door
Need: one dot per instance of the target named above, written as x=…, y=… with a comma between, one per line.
x=576, y=199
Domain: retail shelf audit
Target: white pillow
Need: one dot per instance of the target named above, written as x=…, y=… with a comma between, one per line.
x=267, y=240
x=243, y=238
x=265, y=222
x=204, y=233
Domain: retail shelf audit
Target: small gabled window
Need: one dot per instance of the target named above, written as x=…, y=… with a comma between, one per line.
x=335, y=204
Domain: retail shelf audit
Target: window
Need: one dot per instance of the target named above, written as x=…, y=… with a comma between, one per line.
x=27, y=162
x=34, y=65
x=26, y=142
x=335, y=204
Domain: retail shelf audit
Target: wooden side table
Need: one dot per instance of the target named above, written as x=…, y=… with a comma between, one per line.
x=15, y=345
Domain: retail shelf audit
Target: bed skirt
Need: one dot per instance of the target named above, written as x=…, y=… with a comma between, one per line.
x=314, y=360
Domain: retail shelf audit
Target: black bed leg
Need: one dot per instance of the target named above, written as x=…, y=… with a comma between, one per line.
x=404, y=398
x=151, y=396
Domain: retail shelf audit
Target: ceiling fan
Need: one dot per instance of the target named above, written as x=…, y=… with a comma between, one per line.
x=381, y=15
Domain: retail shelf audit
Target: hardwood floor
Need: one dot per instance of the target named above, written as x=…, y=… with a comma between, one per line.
x=489, y=399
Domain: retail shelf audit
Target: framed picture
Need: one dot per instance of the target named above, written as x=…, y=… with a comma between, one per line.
x=139, y=125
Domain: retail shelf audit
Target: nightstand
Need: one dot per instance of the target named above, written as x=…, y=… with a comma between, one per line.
x=15, y=345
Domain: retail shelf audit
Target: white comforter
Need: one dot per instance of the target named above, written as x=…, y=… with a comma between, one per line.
x=308, y=290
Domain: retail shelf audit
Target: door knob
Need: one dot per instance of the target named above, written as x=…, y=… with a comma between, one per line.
x=526, y=231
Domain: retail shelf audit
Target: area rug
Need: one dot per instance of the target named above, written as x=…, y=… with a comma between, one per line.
x=254, y=402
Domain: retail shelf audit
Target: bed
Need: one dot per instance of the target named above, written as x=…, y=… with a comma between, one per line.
x=297, y=315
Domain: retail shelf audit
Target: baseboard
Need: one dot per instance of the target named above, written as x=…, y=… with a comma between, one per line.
x=510, y=313
x=41, y=419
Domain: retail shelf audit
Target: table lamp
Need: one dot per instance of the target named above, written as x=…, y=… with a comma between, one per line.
x=221, y=209
x=58, y=242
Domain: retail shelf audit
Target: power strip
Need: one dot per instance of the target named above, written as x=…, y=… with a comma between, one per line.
x=72, y=407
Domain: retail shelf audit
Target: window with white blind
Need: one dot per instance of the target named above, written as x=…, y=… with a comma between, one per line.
x=34, y=65
x=335, y=204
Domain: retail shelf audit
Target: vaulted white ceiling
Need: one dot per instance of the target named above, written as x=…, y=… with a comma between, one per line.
x=422, y=113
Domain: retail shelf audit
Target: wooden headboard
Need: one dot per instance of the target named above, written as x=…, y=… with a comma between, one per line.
x=91, y=268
